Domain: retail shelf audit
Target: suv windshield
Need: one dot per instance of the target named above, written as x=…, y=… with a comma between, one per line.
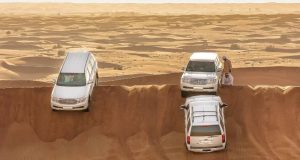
x=198, y=66
x=205, y=130
x=71, y=79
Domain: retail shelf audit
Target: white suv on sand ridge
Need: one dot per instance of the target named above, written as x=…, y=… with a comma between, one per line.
x=75, y=83
x=202, y=74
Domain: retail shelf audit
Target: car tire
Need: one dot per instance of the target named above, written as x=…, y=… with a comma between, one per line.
x=184, y=94
x=54, y=110
x=88, y=107
x=97, y=80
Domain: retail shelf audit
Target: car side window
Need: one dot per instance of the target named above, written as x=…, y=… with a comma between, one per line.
x=188, y=125
x=188, y=112
x=220, y=111
x=90, y=65
x=87, y=74
x=90, y=68
x=222, y=124
x=217, y=62
x=94, y=61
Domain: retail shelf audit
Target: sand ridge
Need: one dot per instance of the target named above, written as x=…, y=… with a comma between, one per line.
x=145, y=122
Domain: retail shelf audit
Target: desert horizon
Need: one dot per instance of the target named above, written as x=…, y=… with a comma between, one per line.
x=42, y=9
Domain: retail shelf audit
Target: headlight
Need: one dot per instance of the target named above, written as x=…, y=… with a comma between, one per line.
x=82, y=99
x=186, y=79
x=54, y=99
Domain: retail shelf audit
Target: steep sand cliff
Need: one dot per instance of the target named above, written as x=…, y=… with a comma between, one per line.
x=145, y=123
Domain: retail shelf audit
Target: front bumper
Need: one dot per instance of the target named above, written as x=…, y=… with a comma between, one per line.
x=199, y=88
x=69, y=107
x=206, y=149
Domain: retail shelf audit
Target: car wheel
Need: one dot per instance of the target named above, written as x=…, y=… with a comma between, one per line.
x=184, y=94
x=97, y=79
x=54, y=110
x=88, y=108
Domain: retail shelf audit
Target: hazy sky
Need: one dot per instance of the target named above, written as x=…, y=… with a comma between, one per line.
x=157, y=1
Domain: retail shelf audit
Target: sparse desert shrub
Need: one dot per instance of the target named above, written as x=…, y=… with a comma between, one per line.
x=61, y=53
x=235, y=46
x=204, y=44
x=8, y=32
x=99, y=47
x=284, y=38
x=270, y=48
x=118, y=68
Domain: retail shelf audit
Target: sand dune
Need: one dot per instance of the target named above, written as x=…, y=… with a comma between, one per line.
x=29, y=72
x=282, y=76
x=145, y=123
x=254, y=76
x=135, y=44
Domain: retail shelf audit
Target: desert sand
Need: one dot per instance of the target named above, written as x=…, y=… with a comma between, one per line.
x=32, y=45
x=145, y=123
x=141, y=50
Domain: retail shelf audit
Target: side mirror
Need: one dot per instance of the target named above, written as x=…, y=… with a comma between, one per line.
x=183, y=107
x=219, y=69
x=224, y=105
x=54, y=81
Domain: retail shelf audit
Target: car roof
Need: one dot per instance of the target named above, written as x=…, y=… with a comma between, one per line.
x=203, y=98
x=205, y=56
x=75, y=62
x=204, y=112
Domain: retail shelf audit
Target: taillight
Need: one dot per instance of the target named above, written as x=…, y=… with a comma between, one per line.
x=188, y=139
x=223, y=138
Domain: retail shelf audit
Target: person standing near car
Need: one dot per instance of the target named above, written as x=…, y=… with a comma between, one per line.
x=227, y=78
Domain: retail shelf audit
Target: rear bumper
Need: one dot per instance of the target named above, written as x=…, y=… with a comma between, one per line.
x=206, y=149
x=199, y=88
x=69, y=107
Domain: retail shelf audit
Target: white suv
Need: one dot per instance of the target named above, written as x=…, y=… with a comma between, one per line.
x=202, y=74
x=78, y=76
x=204, y=123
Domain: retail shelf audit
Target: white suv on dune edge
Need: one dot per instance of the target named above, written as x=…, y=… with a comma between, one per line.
x=75, y=83
x=204, y=123
x=202, y=74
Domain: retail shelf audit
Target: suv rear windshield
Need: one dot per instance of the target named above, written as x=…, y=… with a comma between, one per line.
x=198, y=66
x=71, y=79
x=206, y=130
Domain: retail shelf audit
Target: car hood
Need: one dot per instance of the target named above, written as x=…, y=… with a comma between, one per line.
x=201, y=75
x=70, y=92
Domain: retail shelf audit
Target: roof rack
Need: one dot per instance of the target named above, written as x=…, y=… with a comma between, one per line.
x=204, y=114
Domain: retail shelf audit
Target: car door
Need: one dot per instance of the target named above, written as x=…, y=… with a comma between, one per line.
x=186, y=114
x=186, y=121
x=223, y=119
x=90, y=76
